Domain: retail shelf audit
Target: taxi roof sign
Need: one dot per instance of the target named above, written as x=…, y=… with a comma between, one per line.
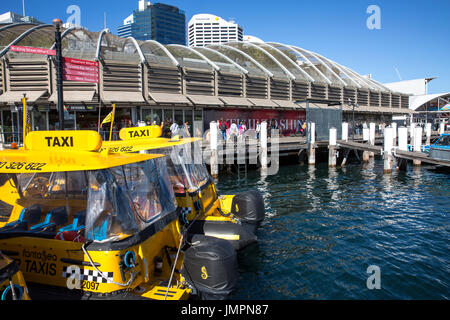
x=79, y=140
x=146, y=132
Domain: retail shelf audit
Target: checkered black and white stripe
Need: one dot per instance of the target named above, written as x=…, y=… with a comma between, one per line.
x=88, y=275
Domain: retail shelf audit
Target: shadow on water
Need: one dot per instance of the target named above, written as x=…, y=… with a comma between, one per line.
x=325, y=226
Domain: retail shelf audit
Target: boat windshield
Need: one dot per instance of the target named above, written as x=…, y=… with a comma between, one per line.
x=113, y=203
x=443, y=141
x=127, y=199
x=185, y=165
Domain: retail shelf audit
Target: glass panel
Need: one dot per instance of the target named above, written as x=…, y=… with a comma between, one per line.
x=260, y=56
x=188, y=58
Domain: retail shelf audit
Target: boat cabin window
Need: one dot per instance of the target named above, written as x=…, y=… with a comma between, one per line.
x=443, y=141
x=185, y=166
x=127, y=199
x=102, y=205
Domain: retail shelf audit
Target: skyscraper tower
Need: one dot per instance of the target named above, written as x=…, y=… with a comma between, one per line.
x=161, y=22
x=205, y=29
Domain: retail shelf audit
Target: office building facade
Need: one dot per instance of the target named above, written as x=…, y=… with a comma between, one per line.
x=160, y=22
x=207, y=29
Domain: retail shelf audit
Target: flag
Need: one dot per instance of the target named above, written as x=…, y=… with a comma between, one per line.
x=107, y=119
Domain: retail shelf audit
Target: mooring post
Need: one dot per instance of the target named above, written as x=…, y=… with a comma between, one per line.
x=366, y=138
x=387, y=154
x=312, y=142
x=372, y=137
x=411, y=132
x=213, y=146
x=442, y=127
x=344, y=131
x=428, y=133
x=332, y=148
x=263, y=142
x=417, y=144
x=394, y=134
x=402, y=145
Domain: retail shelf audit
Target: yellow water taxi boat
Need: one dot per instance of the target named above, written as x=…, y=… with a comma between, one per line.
x=85, y=224
x=234, y=218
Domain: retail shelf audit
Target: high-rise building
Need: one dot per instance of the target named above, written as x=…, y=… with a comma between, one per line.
x=205, y=29
x=161, y=22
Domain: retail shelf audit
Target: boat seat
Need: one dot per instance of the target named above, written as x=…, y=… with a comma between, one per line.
x=27, y=216
x=77, y=224
x=54, y=218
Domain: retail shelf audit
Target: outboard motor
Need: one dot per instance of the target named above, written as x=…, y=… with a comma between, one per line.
x=249, y=208
x=210, y=267
x=237, y=234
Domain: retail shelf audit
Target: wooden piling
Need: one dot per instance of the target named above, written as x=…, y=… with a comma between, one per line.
x=344, y=135
x=417, y=144
x=332, y=148
x=263, y=144
x=428, y=133
x=312, y=142
x=387, y=154
x=213, y=127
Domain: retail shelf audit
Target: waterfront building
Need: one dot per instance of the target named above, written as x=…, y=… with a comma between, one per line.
x=160, y=22
x=428, y=107
x=11, y=17
x=149, y=81
x=208, y=29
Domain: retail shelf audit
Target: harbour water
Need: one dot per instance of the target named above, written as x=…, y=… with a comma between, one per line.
x=325, y=227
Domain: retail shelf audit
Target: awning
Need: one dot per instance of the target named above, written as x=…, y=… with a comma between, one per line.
x=121, y=96
x=205, y=100
x=263, y=102
x=286, y=104
x=236, y=101
x=161, y=97
x=16, y=96
x=73, y=96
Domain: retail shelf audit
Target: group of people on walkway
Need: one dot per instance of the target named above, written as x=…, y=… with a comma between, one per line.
x=235, y=129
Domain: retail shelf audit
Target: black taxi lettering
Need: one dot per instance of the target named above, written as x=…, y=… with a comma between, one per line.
x=139, y=133
x=59, y=141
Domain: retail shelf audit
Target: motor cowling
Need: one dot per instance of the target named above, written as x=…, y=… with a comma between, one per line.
x=249, y=208
x=210, y=267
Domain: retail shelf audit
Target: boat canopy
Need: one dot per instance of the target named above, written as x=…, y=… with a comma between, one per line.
x=116, y=195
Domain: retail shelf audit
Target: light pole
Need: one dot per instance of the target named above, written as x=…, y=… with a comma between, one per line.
x=59, y=72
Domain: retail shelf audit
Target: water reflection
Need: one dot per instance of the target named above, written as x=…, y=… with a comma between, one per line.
x=324, y=226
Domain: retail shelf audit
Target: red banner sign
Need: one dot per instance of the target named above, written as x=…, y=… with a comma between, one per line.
x=32, y=50
x=69, y=77
x=81, y=62
x=73, y=69
x=80, y=70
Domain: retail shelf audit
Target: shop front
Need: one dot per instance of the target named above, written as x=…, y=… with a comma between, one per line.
x=287, y=121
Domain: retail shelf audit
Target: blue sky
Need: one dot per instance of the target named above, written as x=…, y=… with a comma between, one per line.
x=414, y=37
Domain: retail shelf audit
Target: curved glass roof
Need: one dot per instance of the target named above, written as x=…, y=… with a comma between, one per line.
x=156, y=53
x=288, y=63
x=261, y=56
x=269, y=59
x=188, y=57
x=301, y=61
x=79, y=43
x=225, y=64
x=241, y=58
